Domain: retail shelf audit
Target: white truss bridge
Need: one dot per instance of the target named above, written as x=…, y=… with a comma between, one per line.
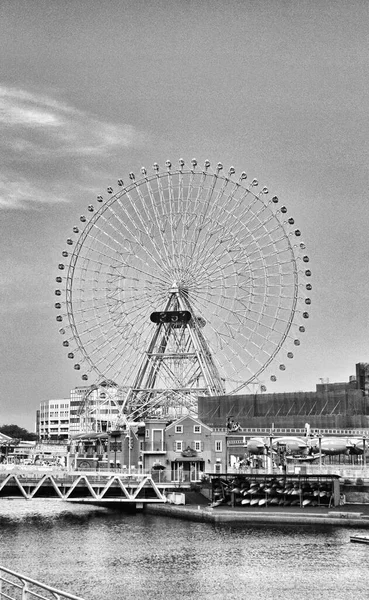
x=82, y=487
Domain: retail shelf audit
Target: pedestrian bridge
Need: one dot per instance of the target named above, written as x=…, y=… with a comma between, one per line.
x=83, y=487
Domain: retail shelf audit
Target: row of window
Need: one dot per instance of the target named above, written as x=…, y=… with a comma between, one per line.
x=179, y=429
x=196, y=428
x=197, y=445
x=180, y=445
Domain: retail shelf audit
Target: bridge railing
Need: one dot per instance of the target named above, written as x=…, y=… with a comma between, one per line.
x=14, y=586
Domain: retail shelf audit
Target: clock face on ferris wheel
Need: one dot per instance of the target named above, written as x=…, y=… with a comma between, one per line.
x=205, y=244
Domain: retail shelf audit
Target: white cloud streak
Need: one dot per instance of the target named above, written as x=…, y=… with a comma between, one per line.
x=38, y=133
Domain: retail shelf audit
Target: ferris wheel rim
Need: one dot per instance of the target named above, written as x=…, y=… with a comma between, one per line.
x=105, y=207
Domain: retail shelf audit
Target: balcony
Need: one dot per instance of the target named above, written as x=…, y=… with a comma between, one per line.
x=154, y=447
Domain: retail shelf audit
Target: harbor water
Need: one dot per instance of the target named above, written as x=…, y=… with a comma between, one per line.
x=102, y=554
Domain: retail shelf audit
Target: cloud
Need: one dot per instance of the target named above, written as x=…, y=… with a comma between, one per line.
x=42, y=137
x=21, y=192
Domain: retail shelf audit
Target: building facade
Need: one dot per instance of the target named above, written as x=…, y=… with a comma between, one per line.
x=177, y=452
x=53, y=419
x=342, y=405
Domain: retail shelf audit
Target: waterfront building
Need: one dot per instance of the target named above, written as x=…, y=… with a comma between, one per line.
x=175, y=451
x=77, y=396
x=18, y=451
x=4, y=439
x=342, y=405
x=53, y=419
x=5, y=443
x=89, y=409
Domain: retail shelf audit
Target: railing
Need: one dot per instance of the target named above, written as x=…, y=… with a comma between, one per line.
x=315, y=431
x=344, y=471
x=154, y=447
x=14, y=586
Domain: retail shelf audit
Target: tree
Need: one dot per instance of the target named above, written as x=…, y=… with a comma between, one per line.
x=14, y=431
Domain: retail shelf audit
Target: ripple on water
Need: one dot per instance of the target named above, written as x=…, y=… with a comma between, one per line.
x=102, y=554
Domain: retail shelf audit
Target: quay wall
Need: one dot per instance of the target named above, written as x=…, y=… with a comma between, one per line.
x=341, y=518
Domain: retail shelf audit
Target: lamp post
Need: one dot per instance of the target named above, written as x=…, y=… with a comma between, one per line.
x=364, y=449
x=270, y=458
x=128, y=437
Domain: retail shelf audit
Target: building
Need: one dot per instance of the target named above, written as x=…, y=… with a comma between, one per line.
x=332, y=406
x=173, y=452
x=53, y=419
x=5, y=442
x=89, y=409
x=77, y=396
x=180, y=449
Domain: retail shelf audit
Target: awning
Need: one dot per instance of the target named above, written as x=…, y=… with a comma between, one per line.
x=89, y=436
x=189, y=459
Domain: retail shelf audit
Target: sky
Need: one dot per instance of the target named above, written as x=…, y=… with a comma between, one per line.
x=90, y=91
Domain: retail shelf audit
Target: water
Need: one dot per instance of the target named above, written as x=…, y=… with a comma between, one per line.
x=101, y=554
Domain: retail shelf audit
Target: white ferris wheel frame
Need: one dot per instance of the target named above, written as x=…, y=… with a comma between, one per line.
x=204, y=200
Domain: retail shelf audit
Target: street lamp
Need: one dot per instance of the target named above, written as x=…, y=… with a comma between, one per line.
x=364, y=449
x=270, y=458
x=128, y=437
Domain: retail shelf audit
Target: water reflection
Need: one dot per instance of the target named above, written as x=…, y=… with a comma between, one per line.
x=101, y=554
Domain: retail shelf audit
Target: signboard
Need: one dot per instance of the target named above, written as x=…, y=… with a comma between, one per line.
x=176, y=317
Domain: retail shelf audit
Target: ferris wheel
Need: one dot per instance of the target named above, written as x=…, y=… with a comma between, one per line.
x=99, y=408
x=182, y=283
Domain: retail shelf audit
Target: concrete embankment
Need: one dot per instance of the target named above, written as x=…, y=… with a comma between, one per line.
x=344, y=517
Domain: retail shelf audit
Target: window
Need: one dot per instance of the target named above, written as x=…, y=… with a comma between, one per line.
x=218, y=445
x=178, y=446
x=197, y=428
x=197, y=446
x=179, y=429
x=147, y=433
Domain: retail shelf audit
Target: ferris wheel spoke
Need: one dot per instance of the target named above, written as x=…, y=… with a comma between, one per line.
x=148, y=224
x=134, y=231
x=160, y=219
x=147, y=228
x=196, y=231
x=173, y=225
x=192, y=240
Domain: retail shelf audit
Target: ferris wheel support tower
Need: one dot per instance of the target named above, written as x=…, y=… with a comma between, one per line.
x=178, y=365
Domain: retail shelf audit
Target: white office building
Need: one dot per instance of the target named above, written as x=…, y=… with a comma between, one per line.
x=53, y=419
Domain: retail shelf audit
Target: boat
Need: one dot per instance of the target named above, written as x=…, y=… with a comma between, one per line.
x=361, y=539
x=274, y=501
x=216, y=503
